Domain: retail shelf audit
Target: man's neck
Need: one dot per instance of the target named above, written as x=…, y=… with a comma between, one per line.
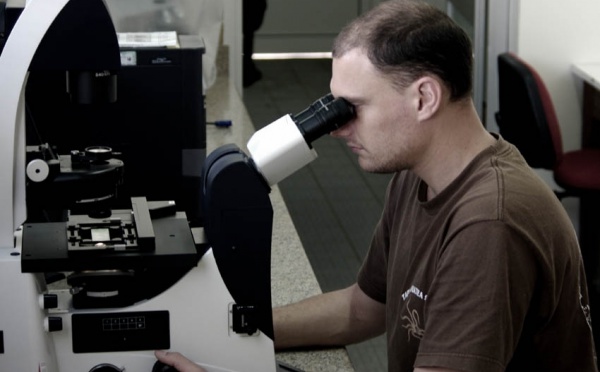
x=458, y=137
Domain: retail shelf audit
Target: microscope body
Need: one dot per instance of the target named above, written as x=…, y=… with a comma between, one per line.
x=194, y=316
x=186, y=305
x=204, y=291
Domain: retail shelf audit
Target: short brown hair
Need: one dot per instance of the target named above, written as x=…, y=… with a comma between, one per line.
x=408, y=39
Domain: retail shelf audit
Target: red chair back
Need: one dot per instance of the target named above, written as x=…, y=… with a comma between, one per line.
x=526, y=116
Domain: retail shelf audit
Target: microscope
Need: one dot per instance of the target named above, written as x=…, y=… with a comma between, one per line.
x=142, y=278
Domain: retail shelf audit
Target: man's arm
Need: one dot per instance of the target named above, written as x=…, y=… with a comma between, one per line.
x=331, y=319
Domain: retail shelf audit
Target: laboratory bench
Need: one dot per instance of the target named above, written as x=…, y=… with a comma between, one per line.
x=292, y=276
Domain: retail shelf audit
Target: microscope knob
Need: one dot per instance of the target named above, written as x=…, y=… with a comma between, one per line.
x=37, y=170
x=53, y=324
x=105, y=367
x=161, y=367
x=48, y=301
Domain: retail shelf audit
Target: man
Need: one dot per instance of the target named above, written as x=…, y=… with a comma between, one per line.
x=474, y=265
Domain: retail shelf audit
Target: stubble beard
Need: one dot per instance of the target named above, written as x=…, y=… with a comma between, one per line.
x=381, y=166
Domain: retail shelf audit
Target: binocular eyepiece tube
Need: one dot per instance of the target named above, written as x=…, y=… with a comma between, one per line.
x=323, y=116
x=284, y=146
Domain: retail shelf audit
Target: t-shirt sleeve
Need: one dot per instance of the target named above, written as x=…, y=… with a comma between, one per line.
x=372, y=274
x=478, y=300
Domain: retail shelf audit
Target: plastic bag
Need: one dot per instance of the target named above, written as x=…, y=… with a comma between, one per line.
x=187, y=17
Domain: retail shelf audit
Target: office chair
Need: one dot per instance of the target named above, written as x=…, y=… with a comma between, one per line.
x=527, y=119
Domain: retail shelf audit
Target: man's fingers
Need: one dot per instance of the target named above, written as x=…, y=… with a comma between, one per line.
x=176, y=360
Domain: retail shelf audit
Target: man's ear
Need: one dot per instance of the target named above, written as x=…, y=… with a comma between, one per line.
x=430, y=97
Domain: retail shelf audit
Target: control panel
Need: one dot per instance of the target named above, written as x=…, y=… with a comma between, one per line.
x=126, y=331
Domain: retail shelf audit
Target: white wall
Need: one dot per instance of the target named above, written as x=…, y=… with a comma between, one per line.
x=232, y=37
x=303, y=26
x=552, y=34
x=311, y=25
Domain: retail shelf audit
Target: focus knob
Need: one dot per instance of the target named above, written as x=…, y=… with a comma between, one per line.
x=37, y=170
x=161, y=367
x=48, y=301
x=106, y=368
x=53, y=324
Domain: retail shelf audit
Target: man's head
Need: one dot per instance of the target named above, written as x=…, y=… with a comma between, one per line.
x=407, y=39
x=406, y=67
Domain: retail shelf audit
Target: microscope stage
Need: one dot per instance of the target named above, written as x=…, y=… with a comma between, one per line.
x=46, y=249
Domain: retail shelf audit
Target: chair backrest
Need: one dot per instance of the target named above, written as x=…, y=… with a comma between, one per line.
x=526, y=117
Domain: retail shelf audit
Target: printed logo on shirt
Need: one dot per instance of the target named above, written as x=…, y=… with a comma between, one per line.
x=586, y=310
x=411, y=321
x=416, y=291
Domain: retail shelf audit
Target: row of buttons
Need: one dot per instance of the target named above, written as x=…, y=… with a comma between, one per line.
x=125, y=323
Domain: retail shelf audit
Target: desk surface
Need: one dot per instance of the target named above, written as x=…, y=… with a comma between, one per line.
x=589, y=72
x=292, y=276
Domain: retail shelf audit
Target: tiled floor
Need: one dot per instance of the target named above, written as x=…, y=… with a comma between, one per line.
x=333, y=203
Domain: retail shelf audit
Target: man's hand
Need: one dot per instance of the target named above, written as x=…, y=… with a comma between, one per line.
x=178, y=361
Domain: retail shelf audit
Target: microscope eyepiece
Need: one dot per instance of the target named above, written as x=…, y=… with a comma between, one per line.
x=284, y=146
x=323, y=116
x=310, y=110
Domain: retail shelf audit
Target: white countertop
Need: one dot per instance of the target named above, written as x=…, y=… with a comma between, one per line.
x=589, y=72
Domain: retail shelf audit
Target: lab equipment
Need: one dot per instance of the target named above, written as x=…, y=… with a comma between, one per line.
x=142, y=278
x=156, y=125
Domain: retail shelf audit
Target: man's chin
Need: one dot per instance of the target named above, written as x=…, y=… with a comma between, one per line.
x=371, y=167
x=368, y=166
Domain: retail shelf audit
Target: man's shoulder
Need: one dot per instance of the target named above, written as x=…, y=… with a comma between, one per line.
x=501, y=186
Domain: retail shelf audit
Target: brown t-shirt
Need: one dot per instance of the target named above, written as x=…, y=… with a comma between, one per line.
x=485, y=277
